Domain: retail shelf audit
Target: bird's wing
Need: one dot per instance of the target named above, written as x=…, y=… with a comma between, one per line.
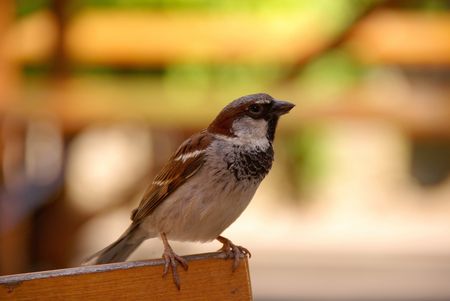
x=186, y=161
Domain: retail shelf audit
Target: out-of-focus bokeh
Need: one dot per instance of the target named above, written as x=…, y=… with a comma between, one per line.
x=96, y=94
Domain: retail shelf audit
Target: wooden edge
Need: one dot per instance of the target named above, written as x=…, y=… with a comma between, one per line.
x=88, y=269
x=209, y=277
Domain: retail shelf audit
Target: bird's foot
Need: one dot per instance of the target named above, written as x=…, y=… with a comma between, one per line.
x=172, y=260
x=233, y=251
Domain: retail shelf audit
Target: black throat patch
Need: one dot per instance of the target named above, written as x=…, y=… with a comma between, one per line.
x=249, y=164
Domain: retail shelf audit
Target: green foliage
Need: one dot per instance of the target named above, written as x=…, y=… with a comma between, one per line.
x=429, y=5
x=216, y=83
x=331, y=74
x=271, y=6
x=226, y=5
x=307, y=149
x=24, y=7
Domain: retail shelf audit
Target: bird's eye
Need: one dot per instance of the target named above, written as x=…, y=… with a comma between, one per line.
x=255, y=109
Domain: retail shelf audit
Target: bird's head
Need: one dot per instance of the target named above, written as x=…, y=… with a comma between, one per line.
x=250, y=117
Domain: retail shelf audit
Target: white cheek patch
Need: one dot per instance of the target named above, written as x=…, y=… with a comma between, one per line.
x=247, y=127
x=193, y=154
x=251, y=131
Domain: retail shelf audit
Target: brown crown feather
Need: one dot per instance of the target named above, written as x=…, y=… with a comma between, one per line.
x=223, y=123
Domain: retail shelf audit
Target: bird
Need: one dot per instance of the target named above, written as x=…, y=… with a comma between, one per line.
x=205, y=185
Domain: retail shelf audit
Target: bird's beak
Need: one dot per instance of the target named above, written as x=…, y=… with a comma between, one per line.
x=281, y=107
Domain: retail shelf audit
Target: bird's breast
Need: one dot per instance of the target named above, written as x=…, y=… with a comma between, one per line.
x=210, y=201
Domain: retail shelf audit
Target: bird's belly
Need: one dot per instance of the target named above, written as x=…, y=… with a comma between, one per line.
x=201, y=210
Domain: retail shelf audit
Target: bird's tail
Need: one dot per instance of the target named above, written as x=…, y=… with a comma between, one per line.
x=121, y=249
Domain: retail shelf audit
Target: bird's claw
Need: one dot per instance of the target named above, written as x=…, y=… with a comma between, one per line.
x=233, y=251
x=172, y=260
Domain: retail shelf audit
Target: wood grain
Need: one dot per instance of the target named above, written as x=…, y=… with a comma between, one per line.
x=209, y=278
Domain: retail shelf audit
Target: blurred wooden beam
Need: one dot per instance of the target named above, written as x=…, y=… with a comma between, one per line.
x=139, y=38
x=404, y=38
x=8, y=70
x=209, y=278
x=91, y=100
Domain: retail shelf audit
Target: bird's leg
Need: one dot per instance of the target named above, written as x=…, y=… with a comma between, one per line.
x=233, y=251
x=171, y=259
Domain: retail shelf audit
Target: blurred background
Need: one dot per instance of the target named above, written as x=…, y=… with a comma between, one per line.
x=95, y=95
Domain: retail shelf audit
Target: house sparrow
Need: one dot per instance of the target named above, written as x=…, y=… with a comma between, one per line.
x=206, y=184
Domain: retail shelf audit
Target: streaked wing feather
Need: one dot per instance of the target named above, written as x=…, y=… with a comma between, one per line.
x=173, y=175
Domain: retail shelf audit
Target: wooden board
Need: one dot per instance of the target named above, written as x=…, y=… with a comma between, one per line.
x=209, y=277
